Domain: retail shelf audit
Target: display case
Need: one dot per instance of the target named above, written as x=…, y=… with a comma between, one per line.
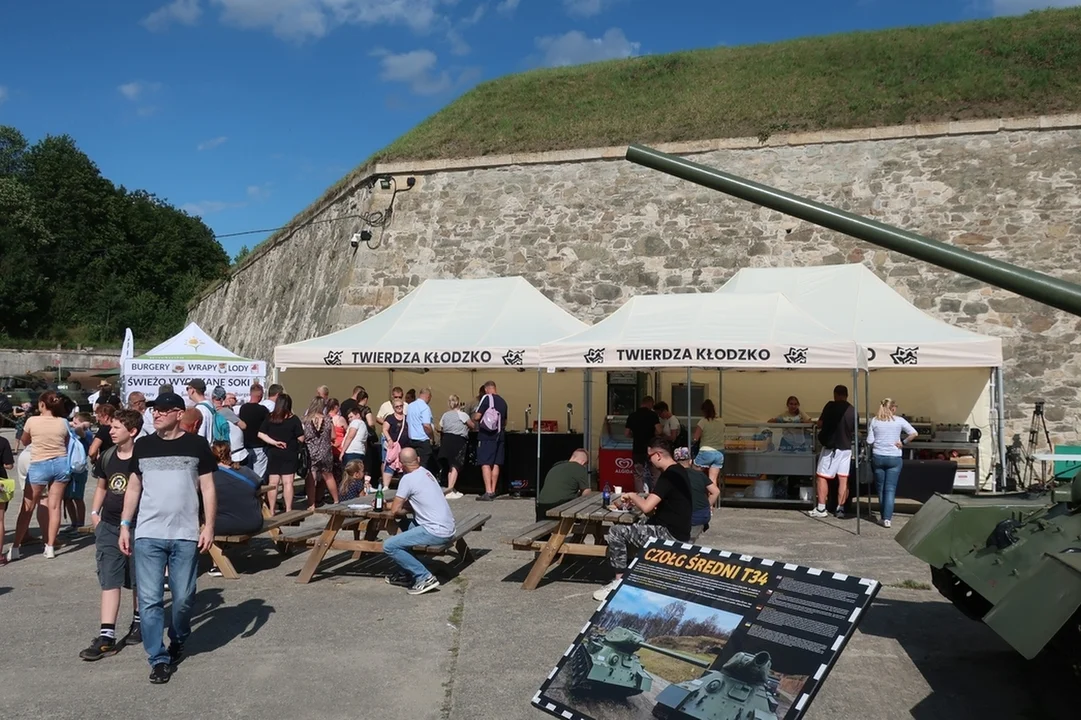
x=768, y=462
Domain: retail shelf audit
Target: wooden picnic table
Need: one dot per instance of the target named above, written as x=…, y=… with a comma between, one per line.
x=372, y=522
x=566, y=529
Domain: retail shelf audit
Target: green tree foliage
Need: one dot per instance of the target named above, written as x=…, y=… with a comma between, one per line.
x=242, y=253
x=82, y=259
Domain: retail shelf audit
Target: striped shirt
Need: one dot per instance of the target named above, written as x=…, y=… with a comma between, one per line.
x=883, y=435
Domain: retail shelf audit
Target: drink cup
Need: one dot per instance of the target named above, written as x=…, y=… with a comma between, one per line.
x=617, y=490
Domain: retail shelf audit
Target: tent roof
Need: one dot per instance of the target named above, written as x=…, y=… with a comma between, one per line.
x=855, y=303
x=444, y=323
x=705, y=330
x=191, y=343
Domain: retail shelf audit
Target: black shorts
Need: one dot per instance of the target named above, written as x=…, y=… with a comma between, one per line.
x=115, y=569
x=490, y=452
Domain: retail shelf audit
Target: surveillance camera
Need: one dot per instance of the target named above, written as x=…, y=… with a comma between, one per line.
x=354, y=241
x=365, y=236
x=410, y=181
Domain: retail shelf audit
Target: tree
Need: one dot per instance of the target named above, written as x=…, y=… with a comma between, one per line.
x=90, y=258
x=242, y=253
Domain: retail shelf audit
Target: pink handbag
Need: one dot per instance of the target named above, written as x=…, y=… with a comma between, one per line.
x=394, y=449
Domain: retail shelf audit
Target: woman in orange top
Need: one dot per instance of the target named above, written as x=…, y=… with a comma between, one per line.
x=47, y=435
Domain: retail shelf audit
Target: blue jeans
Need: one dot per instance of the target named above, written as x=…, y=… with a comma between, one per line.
x=151, y=558
x=396, y=547
x=43, y=472
x=887, y=471
x=709, y=459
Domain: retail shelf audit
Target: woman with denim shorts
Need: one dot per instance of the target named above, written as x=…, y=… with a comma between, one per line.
x=887, y=435
x=47, y=435
x=709, y=434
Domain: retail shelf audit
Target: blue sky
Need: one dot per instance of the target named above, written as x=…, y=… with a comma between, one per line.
x=636, y=600
x=244, y=111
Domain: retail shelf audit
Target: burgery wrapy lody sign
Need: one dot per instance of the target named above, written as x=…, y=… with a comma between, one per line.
x=694, y=632
x=236, y=376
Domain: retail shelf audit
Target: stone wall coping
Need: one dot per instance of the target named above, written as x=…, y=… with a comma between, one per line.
x=554, y=157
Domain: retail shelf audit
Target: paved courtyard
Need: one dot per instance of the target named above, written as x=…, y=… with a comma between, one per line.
x=349, y=645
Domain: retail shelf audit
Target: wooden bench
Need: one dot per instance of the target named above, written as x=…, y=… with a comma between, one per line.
x=271, y=525
x=461, y=528
x=309, y=535
x=525, y=537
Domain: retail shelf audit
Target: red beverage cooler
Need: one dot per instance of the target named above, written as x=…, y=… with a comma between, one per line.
x=616, y=467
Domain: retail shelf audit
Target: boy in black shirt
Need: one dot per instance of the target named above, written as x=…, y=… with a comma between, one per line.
x=115, y=569
x=668, y=506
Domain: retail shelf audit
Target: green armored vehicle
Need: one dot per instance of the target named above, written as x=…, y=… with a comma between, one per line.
x=740, y=690
x=1012, y=560
x=607, y=663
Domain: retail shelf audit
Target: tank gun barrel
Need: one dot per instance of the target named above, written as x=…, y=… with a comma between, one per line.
x=1030, y=284
x=677, y=655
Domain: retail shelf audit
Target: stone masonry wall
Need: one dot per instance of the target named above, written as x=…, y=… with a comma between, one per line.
x=591, y=230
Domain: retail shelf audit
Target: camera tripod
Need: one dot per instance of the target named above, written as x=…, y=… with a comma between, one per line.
x=1037, y=425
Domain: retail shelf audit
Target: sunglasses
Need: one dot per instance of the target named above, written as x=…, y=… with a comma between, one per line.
x=399, y=407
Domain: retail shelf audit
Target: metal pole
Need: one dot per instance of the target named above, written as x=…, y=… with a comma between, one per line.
x=540, y=429
x=1026, y=283
x=1000, y=478
x=688, y=409
x=587, y=418
x=856, y=440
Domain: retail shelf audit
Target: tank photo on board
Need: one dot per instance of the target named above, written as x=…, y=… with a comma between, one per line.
x=641, y=645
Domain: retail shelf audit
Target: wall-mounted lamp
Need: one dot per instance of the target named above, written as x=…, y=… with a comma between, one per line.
x=384, y=183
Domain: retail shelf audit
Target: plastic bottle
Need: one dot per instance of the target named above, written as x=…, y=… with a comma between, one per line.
x=606, y=495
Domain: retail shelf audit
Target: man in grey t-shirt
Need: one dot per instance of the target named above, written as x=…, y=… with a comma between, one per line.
x=169, y=470
x=432, y=523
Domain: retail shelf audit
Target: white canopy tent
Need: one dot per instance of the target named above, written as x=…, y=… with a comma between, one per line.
x=854, y=303
x=760, y=331
x=444, y=324
x=188, y=355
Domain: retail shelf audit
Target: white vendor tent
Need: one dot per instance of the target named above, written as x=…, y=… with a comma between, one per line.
x=444, y=324
x=760, y=331
x=930, y=367
x=853, y=302
x=188, y=355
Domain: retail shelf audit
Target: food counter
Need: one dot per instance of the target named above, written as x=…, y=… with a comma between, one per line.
x=768, y=463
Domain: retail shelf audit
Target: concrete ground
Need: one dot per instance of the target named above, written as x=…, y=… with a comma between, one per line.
x=349, y=645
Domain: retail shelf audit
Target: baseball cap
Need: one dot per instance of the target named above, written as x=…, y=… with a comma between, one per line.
x=167, y=401
x=198, y=385
x=219, y=392
x=681, y=454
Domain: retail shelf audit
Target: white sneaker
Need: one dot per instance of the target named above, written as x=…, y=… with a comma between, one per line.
x=602, y=594
x=816, y=513
x=454, y=495
x=50, y=553
x=13, y=553
x=887, y=523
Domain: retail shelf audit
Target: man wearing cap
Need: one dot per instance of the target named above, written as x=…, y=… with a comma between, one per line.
x=197, y=395
x=169, y=471
x=103, y=388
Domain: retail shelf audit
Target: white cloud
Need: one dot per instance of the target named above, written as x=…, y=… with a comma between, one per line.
x=258, y=193
x=209, y=207
x=3, y=94
x=185, y=12
x=300, y=20
x=1017, y=7
x=507, y=7
x=575, y=48
x=211, y=144
x=417, y=69
x=137, y=89
x=587, y=8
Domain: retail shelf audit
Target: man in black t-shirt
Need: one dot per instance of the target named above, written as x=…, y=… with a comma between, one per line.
x=668, y=507
x=253, y=414
x=642, y=426
x=115, y=569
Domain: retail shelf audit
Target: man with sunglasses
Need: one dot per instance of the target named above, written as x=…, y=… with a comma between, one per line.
x=666, y=511
x=169, y=470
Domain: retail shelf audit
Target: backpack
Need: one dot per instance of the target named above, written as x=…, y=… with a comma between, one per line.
x=76, y=453
x=221, y=425
x=490, y=420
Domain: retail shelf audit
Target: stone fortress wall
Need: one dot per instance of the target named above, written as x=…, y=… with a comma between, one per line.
x=591, y=230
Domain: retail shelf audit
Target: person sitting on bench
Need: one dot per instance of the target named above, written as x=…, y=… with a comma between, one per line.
x=239, y=504
x=432, y=523
x=566, y=480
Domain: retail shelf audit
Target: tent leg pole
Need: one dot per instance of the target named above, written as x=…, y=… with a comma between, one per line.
x=274, y=375
x=1000, y=418
x=540, y=429
x=856, y=440
x=587, y=418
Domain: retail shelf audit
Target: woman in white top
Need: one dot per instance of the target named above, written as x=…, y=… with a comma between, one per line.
x=887, y=434
x=356, y=438
x=454, y=427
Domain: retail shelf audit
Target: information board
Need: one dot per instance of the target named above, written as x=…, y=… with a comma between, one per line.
x=694, y=632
